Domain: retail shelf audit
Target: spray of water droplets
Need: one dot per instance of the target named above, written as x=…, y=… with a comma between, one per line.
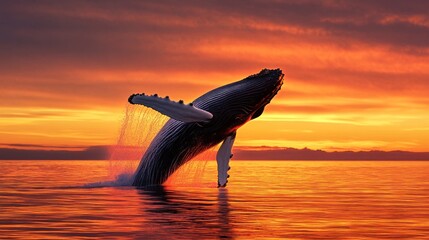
x=139, y=126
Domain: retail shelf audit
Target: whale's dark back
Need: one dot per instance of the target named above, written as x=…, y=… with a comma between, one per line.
x=232, y=105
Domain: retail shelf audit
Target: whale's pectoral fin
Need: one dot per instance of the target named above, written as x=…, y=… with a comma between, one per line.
x=175, y=110
x=222, y=157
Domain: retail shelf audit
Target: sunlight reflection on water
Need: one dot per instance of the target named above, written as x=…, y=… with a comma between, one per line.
x=264, y=199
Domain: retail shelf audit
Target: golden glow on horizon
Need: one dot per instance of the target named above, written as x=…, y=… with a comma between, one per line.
x=58, y=127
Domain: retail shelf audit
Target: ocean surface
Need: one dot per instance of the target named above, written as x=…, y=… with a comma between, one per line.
x=263, y=200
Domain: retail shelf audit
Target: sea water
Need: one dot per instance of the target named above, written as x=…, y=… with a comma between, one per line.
x=263, y=200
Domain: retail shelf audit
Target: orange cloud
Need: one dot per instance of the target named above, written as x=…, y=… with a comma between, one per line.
x=355, y=72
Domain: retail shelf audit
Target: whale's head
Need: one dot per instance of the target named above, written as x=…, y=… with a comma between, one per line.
x=258, y=90
x=238, y=102
x=223, y=109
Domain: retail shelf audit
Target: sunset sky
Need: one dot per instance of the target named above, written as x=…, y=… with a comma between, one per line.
x=356, y=72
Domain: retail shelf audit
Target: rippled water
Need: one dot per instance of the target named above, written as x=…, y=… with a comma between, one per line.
x=264, y=200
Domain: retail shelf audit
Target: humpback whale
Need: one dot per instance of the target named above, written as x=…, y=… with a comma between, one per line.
x=195, y=127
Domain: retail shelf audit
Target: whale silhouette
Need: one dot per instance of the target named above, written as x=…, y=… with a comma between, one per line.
x=195, y=127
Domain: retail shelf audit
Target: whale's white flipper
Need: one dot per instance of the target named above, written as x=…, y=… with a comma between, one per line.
x=175, y=110
x=222, y=157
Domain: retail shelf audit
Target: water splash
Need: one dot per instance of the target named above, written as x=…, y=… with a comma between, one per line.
x=121, y=180
x=192, y=173
x=139, y=126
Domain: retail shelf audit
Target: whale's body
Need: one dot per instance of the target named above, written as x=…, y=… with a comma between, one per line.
x=222, y=111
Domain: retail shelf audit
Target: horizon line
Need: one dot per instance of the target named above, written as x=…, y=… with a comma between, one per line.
x=106, y=152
